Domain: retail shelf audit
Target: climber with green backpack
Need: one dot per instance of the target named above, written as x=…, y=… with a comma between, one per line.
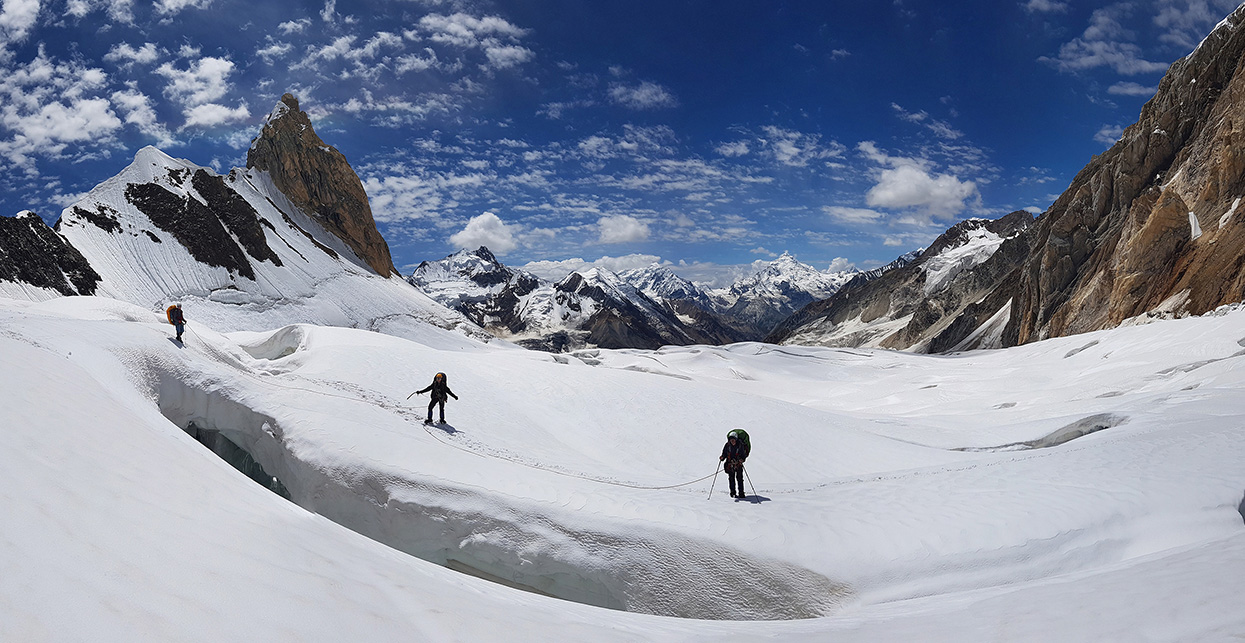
x=734, y=453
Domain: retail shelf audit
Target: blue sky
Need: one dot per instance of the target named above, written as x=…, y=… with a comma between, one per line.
x=705, y=134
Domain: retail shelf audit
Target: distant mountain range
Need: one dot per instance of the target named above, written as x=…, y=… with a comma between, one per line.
x=1150, y=228
x=644, y=308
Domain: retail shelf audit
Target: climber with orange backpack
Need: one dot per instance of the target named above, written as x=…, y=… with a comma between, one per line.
x=174, y=313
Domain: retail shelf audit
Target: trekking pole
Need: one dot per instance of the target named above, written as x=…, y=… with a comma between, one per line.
x=409, y=396
x=715, y=479
x=754, y=489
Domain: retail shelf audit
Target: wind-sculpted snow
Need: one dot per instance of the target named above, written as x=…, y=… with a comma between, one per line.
x=587, y=477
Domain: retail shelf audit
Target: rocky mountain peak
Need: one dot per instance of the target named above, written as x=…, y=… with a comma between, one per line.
x=1149, y=226
x=317, y=178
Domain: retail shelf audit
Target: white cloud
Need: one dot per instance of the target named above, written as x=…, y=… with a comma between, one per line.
x=329, y=12
x=169, y=7
x=485, y=230
x=1045, y=6
x=467, y=31
x=211, y=114
x=1186, y=21
x=646, y=95
x=47, y=105
x=52, y=127
x=732, y=150
x=119, y=10
x=127, y=54
x=17, y=18
x=622, y=229
x=851, y=215
x=294, y=26
x=204, y=81
x=840, y=264
x=1109, y=134
x=416, y=63
x=507, y=56
x=1131, y=89
x=1105, y=43
x=274, y=51
x=796, y=149
x=910, y=184
x=138, y=111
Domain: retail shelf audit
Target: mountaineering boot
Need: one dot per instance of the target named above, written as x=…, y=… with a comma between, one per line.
x=732, y=493
x=741, y=494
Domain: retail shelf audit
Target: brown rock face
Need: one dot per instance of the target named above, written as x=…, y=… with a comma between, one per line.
x=1121, y=241
x=317, y=178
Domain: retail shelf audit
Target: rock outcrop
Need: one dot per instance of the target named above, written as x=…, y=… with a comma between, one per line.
x=1152, y=225
x=31, y=253
x=317, y=179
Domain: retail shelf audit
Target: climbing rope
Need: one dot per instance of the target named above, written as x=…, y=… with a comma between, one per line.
x=405, y=413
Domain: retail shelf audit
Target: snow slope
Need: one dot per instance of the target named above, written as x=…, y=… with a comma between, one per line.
x=314, y=277
x=1085, y=488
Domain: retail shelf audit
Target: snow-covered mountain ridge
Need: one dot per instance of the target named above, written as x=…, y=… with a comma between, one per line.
x=643, y=308
x=232, y=248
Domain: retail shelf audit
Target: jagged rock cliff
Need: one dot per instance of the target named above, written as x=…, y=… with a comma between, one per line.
x=317, y=179
x=1152, y=225
x=34, y=259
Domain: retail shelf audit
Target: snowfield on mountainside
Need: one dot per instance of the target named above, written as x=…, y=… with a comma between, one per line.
x=1078, y=489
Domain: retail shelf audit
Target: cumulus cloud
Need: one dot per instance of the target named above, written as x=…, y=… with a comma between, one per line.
x=395, y=198
x=126, y=54
x=643, y=96
x=170, y=7
x=507, y=56
x=17, y=18
x=204, y=81
x=840, y=264
x=211, y=114
x=1109, y=134
x=1105, y=43
x=118, y=10
x=621, y=229
x=48, y=105
x=137, y=110
x=910, y=184
x=485, y=230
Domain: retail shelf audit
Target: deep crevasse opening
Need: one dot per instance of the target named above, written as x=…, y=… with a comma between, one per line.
x=507, y=540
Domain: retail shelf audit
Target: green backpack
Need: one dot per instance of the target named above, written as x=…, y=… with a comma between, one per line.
x=742, y=436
